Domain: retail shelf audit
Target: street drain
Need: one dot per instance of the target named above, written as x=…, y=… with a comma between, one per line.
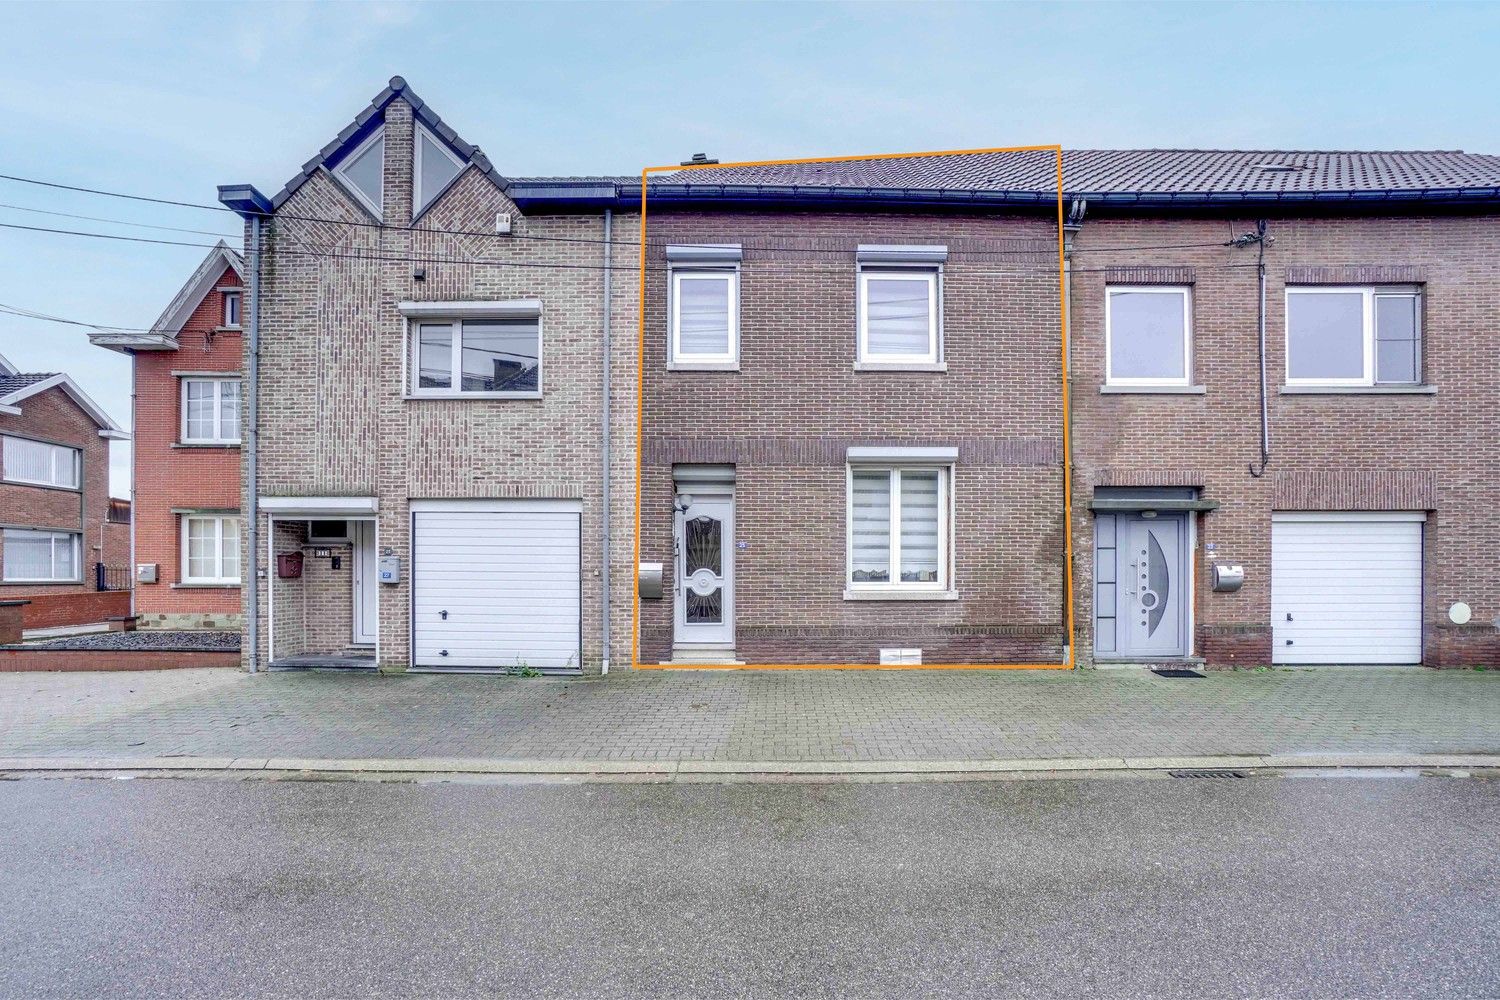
x=1208, y=772
x=1175, y=672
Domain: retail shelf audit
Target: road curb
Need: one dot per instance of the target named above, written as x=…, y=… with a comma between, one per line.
x=914, y=769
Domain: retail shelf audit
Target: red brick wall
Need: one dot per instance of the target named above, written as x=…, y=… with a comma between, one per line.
x=53, y=416
x=787, y=417
x=168, y=476
x=1438, y=453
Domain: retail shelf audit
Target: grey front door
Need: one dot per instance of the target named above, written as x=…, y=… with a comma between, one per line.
x=1152, y=589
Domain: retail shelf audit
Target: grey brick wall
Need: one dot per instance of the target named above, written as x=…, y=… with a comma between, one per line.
x=333, y=417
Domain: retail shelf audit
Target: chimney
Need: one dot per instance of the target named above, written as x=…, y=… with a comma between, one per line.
x=698, y=160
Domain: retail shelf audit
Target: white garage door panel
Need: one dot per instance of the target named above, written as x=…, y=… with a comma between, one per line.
x=1352, y=586
x=509, y=580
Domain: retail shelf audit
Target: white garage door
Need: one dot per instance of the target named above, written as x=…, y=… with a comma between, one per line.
x=495, y=584
x=1346, y=588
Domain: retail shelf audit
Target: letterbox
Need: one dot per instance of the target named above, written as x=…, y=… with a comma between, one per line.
x=648, y=581
x=289, y=565
x=1228, y=577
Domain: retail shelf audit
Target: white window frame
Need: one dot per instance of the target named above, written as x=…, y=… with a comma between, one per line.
x=454, y=390
x=1186, y=293
x=377, y=210
x=677, y=357
x=894, y=586
x=56, y=451
x=73, y=537
x=1370, y=293
x=418, y=205
x=218, y=519
x=220, y=436
x=911, y=272
x=234, y=322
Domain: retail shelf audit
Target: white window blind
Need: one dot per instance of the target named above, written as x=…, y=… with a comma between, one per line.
x=39, y=463
x=897, y=528
x=703, y=321
x=898, y=316
x=44, y=556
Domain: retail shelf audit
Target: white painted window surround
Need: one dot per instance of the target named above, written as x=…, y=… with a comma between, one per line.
x=899, y=523
x=210, y=410
x=210, y=549
x=37, y=463
x=1353, y=335
x=1148, y=335
x=40, y=556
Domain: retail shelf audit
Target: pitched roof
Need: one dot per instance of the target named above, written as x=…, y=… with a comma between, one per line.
x=1096, y=172
x=18, y=387
x=163, y=333
x=10, y=384
x=371, y=118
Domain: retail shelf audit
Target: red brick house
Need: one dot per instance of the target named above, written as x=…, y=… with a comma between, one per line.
x=186, y=461
x=55, y=510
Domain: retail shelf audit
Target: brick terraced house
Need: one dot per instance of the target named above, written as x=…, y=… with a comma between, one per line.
x=853, y=418
x=56, y=521
x=186, y=454
x=427, y=454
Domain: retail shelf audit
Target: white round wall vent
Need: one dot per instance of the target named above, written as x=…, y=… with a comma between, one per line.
x=1459, y=613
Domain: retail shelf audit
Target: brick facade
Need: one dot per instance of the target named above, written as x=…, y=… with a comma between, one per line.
x=786, y=418
x=54, y=417
x=170, y=476
x=335, y=419
x=1436, y=454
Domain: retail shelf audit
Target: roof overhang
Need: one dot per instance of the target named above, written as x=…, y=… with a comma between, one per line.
x=317, y=508
x=204, y=280
x=107, y=427
x=127, y=342
x=244, y=200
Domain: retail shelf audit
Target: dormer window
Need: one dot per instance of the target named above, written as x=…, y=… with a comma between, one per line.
x=362, y=172
x=434, y=167
x=232, y=309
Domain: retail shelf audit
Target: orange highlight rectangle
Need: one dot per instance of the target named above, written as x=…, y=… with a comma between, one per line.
x=635, y=632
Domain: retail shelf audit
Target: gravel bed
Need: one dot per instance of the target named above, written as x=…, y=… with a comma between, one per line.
x=149, y=641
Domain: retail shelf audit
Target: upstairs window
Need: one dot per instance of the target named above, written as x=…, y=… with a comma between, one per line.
x=363, y=173
x=1353, y=336
x=40, y=556
x=1148, y=335
x=38, y=463
x=704, y=306
x=210, y=411
x=232, y=309
x=490, y=357
x=899, y=305
x=434, y=167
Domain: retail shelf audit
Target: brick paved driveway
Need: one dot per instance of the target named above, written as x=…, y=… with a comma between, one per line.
x=748, y=716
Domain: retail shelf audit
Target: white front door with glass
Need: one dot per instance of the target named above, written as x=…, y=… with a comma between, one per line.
x=704, y=570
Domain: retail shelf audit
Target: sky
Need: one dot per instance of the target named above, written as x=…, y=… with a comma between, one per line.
x=170, y=100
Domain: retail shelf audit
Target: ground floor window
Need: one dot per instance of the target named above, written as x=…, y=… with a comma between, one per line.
x=40, y=556
x=211, y=549
x=898, y=528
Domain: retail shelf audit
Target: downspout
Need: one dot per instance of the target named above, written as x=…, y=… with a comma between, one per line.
x=604, y=429
x=252, y=423
x=1071, y=227
x=135, y=380
x=1265, y=413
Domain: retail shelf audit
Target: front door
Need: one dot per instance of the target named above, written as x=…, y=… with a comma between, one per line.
x=704, y=570
x=1152, y=594
x=366, y=585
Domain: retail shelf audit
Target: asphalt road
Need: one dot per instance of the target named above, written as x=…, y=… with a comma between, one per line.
x=1348, y=886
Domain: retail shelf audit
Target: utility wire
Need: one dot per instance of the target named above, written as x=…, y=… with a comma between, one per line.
x=538, y=238
x=120, y=222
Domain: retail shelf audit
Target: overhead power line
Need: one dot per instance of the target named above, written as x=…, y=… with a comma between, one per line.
x=535, y=237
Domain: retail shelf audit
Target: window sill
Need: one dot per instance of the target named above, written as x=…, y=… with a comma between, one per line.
x=41, y=486
x=1359, y=390
x=418, y=396
x=229, y=329
x=1152, y=390
x=703, y=366
x=203, y=586
x=910, y=366
x=205, y=444
x=900, y=595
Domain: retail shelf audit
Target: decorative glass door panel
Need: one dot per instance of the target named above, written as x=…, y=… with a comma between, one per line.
x=704, y=571
x=1152, y=588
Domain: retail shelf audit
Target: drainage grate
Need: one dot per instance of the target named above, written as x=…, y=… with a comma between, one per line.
x=1175, y=672
x=1208, y=772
